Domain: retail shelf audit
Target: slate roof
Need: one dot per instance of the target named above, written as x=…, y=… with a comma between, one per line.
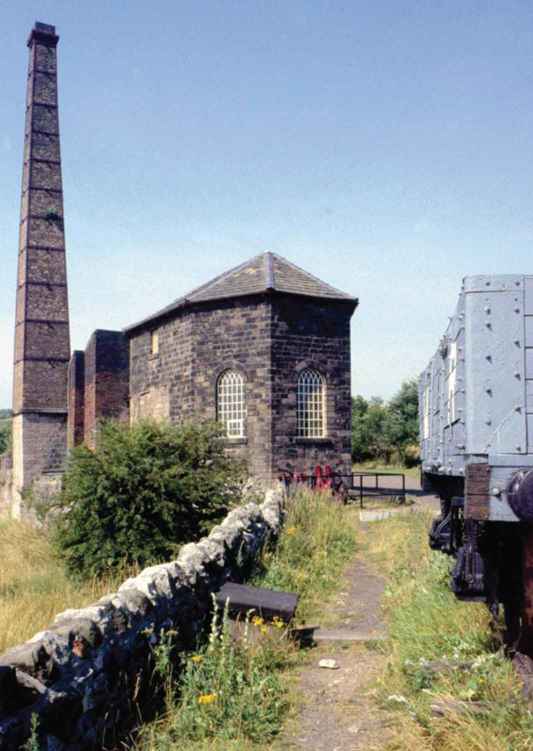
x=267, y=272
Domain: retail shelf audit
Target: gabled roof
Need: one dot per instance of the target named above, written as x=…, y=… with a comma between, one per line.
x=267, y=272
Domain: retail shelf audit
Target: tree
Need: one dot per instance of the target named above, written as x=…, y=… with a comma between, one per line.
x=359, y=432
x=368, y=434
x=143, y=492
x=380, y=430
x=402, y=419
x=5, y=430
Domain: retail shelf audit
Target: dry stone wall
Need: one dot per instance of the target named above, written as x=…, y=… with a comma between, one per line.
x=89, y=676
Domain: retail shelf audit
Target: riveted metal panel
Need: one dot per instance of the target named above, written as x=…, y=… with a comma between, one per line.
x=494, y=283
x=528, y=286
x=485, y=414
x=495, y=371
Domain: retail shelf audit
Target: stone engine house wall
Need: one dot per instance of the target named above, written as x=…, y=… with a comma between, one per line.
x=311, y=334
x=269, y=339
x=195, y=348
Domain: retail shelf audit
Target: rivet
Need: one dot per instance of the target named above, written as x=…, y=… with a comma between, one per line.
x=517, y=374
x=488, y=357
x=517, y=282
x=496, y=491
x=488, y=422
x=487, y=310
x=517, y=342
x=488, y=324
x=519, y=448
x=517, y=310
x=518, y=408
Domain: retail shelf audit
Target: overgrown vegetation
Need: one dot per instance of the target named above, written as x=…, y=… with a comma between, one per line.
x=229, y=691
x=386, y=431
x=142, y=493
x=233, y=694
x=442, y=654
x=5, y=430
x=34, y=586
x=318, y=540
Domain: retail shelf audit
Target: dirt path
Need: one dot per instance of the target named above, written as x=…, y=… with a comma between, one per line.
x=337, y=711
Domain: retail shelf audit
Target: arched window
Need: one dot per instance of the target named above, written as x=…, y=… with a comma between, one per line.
x=311, y=405
x=231, y=405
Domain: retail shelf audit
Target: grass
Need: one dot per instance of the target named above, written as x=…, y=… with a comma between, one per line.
x=33, y=584
x=235, y=694
x=426, y=624
x=319, y=538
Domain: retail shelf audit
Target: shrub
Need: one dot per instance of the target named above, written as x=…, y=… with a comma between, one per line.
x=5, y=431
x=141, y=493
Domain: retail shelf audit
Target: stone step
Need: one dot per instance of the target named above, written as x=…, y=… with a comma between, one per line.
x=346, y=635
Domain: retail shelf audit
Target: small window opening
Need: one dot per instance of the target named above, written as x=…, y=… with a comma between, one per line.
x=154, y=343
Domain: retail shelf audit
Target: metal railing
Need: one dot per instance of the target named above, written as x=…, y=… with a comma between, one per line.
x=355, y=486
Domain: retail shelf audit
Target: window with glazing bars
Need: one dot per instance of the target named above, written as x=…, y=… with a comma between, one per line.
x=311, y=405
x=231, y=405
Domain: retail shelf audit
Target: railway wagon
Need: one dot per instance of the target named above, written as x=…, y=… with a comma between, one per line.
x=476, y=429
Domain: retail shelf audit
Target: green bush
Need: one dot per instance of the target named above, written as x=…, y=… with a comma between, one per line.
x=5, y=431
x=142, y=493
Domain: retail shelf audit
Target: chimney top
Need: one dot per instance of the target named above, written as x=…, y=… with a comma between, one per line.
x=43, y=33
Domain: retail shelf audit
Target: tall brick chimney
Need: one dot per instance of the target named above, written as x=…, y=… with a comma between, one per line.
x=42, y=341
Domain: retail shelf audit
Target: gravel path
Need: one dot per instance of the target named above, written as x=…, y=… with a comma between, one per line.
x=337, y=711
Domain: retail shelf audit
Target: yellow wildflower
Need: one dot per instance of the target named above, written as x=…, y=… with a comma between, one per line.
x=278, y=623
x=207, y=698
x=264, y=629
x=197, y=658
x=257, y=621
x=291, y=530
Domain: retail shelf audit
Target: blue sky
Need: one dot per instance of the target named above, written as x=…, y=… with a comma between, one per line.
x=385, y=147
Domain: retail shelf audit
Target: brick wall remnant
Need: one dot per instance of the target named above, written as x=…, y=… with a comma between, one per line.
x=76, y=399
x=106, y=381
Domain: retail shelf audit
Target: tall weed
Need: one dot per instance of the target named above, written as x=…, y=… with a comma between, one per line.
x=228, y=691
x=34, y=586
x=442, y=653
x=319, y=538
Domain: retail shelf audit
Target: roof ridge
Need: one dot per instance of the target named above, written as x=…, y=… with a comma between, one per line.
x=265, y=278
x=311, y=276
x=212, y=281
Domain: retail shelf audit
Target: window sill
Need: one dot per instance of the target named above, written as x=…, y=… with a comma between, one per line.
x=321, y=441
x=235, y=441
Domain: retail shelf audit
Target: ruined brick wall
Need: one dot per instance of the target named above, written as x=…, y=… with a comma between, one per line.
x=308, y=333
x=106, y=378
x=76, y=399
